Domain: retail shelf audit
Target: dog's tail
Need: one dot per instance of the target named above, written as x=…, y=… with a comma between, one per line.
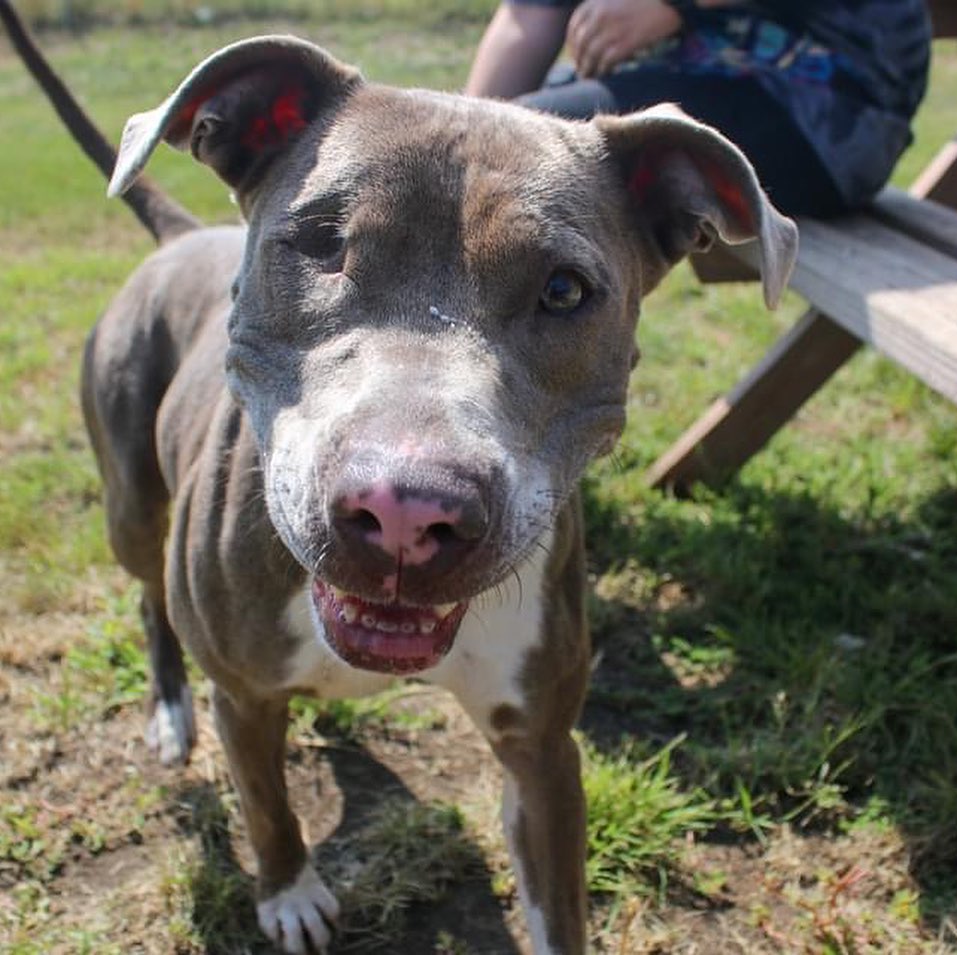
x=163, y=216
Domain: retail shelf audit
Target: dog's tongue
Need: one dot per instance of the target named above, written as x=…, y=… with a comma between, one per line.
x=387, y=638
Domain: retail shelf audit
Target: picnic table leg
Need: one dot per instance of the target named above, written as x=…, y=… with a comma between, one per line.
x=739, y=424
x=939, y=180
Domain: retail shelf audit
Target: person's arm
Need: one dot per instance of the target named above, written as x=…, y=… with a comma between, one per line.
x=518, y=48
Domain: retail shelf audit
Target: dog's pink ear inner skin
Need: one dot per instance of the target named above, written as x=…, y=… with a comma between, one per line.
x=238, y=109
x=690, y=185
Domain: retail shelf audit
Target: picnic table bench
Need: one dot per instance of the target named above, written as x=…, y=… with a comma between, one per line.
x=885, y=275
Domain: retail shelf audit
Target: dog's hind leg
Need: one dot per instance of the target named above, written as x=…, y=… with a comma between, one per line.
x=171, y=730
x=137, y=519
x=120, y=402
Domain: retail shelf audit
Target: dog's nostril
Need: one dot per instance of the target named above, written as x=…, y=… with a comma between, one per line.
x=366, y=522
x=443, y=533
x=470, y=526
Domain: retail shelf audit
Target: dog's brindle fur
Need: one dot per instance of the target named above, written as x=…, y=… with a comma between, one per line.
x=432, y=313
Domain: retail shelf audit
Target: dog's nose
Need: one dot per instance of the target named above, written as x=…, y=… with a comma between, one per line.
x=411, y=526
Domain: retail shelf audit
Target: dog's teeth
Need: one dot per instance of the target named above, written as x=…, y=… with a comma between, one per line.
x=347, y=612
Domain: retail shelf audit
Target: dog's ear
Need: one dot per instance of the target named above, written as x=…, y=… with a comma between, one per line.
x=690, y=185
x=238, y=109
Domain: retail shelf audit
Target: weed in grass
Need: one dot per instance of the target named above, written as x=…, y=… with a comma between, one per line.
x=111, y=657
x=638, y=819
x=743, y=813
x=104, y=669
x=447, y=944
x=89, y=834
x=30, y=852
x=27, y=909
x=63, y=708
x=21, y=840
x=30, y=926
x=698, y=663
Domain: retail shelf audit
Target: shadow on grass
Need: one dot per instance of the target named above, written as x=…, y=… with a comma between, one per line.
x=809, y=654
x=222, y=914
x=406, y=875
x=399, y=840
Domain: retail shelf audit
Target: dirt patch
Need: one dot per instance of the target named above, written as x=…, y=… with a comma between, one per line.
x=153, y=860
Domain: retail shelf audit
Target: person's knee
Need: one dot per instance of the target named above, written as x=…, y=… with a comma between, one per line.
x=565, y=95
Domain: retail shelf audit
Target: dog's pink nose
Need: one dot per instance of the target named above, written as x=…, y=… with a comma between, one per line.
x=408, y=527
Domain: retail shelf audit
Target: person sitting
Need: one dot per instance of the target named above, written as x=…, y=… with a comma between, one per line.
x=818, y=94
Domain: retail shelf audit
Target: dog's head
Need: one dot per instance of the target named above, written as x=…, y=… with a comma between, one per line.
x=434, y=323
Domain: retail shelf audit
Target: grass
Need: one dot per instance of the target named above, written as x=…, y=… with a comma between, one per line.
x=638, y=815
x=795, y=631
x=402, y=856
x=385, y=712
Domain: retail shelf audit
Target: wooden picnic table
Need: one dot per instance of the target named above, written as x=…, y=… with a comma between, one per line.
x=885, y=276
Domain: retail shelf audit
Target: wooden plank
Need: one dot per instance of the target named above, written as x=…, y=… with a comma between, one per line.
x=739, y=424
x=929, y=222
x=897, y=294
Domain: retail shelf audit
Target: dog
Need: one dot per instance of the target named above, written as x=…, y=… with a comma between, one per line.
x=342, y=443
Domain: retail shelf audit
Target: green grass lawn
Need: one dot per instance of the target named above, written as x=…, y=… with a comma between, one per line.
x=778, y=685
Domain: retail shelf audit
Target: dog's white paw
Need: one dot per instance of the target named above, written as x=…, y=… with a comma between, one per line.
x=300, y=916
x=171, y=731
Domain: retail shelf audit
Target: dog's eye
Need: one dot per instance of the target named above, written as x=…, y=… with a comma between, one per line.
x=564, y=292
x=322, y=241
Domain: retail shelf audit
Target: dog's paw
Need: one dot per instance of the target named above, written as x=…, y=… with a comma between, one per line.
x=300, y=915
x=171, y=731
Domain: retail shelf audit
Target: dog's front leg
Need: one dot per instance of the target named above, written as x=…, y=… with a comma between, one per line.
x=543, y=812
x=294, y=907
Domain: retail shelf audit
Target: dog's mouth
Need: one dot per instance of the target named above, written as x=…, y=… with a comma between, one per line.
x=387, y=638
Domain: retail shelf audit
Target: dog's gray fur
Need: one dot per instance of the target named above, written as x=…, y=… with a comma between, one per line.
x=400, y=321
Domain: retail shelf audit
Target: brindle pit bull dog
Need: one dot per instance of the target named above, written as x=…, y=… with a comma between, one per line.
x=426, y=330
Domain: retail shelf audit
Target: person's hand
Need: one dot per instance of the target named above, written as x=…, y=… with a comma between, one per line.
x=603, y=33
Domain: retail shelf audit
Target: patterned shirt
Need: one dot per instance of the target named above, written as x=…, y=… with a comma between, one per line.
x=851, y=73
